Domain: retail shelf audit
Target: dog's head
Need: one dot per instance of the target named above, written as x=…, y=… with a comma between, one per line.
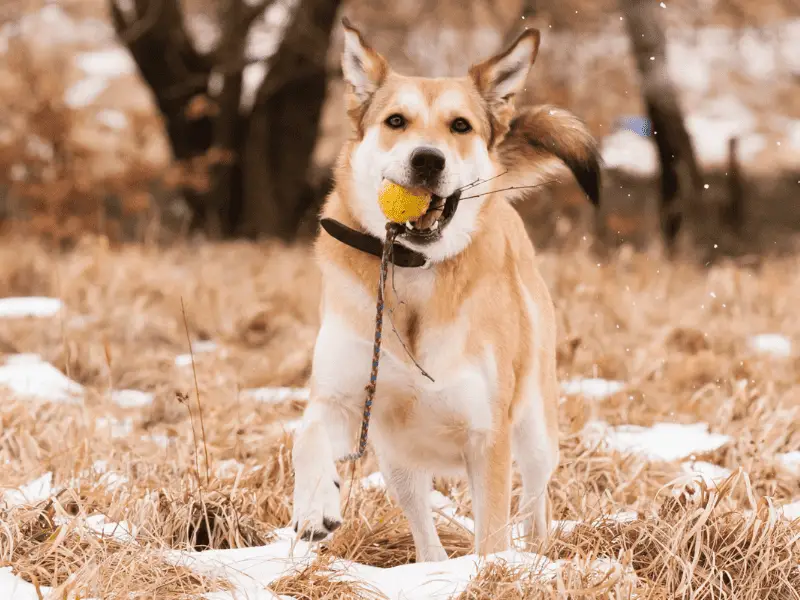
x=434, y=134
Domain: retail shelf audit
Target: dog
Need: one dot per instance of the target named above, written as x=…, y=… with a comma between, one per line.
x=467, y=302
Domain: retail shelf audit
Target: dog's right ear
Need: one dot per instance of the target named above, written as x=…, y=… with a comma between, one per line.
x=363, y=68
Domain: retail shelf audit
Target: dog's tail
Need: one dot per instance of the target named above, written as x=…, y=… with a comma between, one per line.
x=541, y=141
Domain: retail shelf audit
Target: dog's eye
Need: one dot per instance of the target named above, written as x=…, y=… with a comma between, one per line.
x=396, y=121
x=460, y=125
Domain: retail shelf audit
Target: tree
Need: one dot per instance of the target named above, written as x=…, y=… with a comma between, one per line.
x=244, y=173
x=681, y=178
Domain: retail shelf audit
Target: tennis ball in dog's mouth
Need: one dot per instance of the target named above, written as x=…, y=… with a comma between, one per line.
x=400, y=204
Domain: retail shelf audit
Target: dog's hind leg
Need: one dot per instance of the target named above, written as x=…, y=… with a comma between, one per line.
x=412, y=489
x=326, y=434
x=489, y=472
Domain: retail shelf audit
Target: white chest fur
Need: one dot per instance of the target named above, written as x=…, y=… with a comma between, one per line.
x=418, y=422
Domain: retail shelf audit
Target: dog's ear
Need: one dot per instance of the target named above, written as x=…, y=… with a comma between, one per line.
x=502, y=77
x=363, y=68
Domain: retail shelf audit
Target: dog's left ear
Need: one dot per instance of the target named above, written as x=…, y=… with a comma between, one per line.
x=502, y=77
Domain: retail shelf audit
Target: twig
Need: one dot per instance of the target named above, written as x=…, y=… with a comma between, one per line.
x=480, y=181
x=394, y=329
x=183, y=399
x=197, y=391
x=513, y=187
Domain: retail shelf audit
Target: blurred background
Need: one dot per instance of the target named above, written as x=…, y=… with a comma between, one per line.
x=151, y=120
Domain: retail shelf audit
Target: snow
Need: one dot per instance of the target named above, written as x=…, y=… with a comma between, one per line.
x=116, y=428
x=790, y=461
x=275, y=395
x=792, y=511
x=84, y=92
x=628, y=151
x=158, y=439
x=709, y=472
x=448, y=510
x=108, y=63
x=201, y=347
x=121, y=531
x=33, y=306
x=110, y=479
x=374, y=481
x=131, y=398
x=773, y=344
x=16, y=588
x=113, y=119
x=251, y=568
x=27, y=375
x=31, y=493
x=228, y=468
x=593, y=388
x=291, y=426
x=662, y=441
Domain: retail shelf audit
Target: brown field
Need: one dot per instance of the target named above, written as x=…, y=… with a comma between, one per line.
x=674, y=332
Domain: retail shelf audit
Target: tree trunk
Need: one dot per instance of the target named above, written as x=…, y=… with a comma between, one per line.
x=168, y=62
x=681, y=179
x=253, y=166
x=284, y=126
x=734, y=212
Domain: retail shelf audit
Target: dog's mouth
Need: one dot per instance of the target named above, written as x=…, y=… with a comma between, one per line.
x=429, y=227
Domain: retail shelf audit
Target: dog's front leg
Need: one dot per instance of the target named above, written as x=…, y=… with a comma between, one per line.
x=412, y=489
x=327, y=433
x=488, y=461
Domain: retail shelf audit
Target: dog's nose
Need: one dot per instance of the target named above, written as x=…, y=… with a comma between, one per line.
x=427, y=162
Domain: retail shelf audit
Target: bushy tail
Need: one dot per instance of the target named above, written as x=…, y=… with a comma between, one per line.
x=541, y=141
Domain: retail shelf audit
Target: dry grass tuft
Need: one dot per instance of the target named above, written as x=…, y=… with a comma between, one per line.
x=204, y=520
x=376, y=533
x=73, y=559
x=319, y=581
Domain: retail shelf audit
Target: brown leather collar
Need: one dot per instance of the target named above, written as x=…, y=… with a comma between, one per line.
x=400, y=255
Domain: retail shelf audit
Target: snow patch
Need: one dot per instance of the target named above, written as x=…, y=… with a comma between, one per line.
x=627, y=151
x=116, y=428
x=228, y=468
x=374, y=481
x=33, y=306
x=251, y=568
x=28, y=376
x=131, y=398
x=709, y=472
x=31, y=493
x=158, y=439
x=112, y=62
x=592, y=388
x=113, y=119
x=121, y=531
x=790, y=461
x=85, y=92
x=792, y=511
x=773, y=344
x=13, y=587
x=276, y=395
x=662, y=441
x=200, y=347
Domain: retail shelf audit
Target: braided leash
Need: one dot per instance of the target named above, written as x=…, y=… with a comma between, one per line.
x=392, y=229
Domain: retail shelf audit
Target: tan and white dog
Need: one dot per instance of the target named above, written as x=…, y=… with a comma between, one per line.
x=476, y=315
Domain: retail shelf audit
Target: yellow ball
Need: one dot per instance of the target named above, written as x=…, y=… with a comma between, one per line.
x=401, y=205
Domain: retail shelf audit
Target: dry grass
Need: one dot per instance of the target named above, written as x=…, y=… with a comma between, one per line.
x=676, y=332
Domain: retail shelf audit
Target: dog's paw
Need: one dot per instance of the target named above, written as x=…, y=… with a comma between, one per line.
x=317, y=511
